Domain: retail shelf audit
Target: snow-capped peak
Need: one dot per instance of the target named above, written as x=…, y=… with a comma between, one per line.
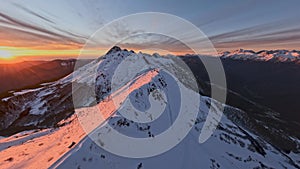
x=113, y=50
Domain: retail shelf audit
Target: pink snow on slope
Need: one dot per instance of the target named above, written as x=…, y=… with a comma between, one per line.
x=38, y=150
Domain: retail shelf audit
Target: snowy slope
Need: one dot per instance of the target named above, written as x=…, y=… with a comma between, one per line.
x=230, y=146
x=45, y=106
x=38, y=149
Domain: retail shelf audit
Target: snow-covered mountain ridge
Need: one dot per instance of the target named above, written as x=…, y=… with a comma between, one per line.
x=232, y=145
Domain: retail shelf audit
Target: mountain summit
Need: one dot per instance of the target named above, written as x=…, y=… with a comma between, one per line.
x=113, y=50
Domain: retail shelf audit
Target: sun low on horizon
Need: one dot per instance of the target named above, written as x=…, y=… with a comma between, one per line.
x=7, y=56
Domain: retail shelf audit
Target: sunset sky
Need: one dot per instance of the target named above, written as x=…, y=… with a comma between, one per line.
x=34, y=29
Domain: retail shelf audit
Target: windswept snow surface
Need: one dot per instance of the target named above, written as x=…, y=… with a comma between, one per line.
x=230, y=146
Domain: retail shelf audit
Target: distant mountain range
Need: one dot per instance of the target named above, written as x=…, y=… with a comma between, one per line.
x=270, y=78
x=264, y=55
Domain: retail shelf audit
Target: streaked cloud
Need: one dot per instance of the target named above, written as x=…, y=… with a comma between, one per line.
x=67, y=25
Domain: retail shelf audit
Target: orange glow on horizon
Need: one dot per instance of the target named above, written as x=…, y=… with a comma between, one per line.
x=10, y=54
x=17, y=54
